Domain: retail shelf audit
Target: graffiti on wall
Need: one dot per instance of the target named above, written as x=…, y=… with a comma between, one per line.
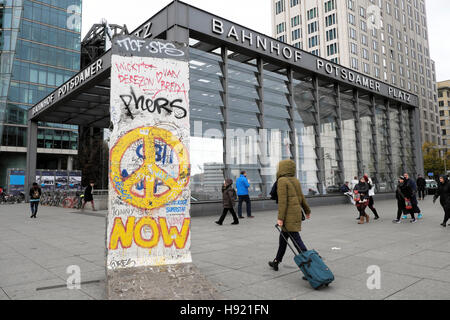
x=148, y=221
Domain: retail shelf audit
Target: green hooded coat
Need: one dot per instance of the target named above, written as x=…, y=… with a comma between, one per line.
x=290, y=197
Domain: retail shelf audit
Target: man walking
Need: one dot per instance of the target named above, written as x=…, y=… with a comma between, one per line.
x=414, y=201
x=421, y=183
x=242, y=186
x=371, y=195
x=35, y=197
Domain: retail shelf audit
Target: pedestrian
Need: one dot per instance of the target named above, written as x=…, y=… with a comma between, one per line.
x=88, y=197
x=345, y=189
x=35, y=197
x=371, y=195
x=421, y=183
x=414, y=201
x=443, y=192
x=404, y=195
x=291, y=201
x=354, y=182
x=242, y=186
x=361, y=198
x=228, y=200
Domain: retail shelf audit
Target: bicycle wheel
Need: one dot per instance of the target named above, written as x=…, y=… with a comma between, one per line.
x=67, y=203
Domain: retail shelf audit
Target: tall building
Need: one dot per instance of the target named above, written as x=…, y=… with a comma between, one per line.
x=444, y=111
x=39, y=50
x=385, y=39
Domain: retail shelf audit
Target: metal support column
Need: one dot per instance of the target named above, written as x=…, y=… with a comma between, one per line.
x=390, y=163
x=358, y=132
x=292, y=138
x=374, y=146
x=320, y=154
x=263, y=152
x=402, y=140
x=30, y=175
x=225, y=112
x=339, y=135
x=417, y=140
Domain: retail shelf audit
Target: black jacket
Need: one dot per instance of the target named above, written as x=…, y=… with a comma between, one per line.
x=363, y=188
x=421, y=183
x=88, y=194
x=443, y=192
x=403, y=191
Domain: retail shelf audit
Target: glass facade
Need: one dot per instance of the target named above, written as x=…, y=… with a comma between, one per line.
x=247, y=117
x=40, y=50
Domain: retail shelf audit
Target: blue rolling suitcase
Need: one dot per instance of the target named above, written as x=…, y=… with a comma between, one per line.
x=311, y=264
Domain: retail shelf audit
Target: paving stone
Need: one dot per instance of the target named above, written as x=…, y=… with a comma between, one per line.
x=424, y=290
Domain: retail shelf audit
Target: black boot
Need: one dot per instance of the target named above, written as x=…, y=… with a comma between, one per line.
x=218, y=222
x=444, y=224
x=274, y=264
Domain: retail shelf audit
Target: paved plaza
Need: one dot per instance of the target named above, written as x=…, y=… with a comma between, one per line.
x=414, y=258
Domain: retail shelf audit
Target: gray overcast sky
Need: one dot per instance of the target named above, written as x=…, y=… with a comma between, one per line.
x=256, y=14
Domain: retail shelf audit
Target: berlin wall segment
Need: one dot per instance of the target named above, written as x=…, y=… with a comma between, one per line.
x=148, y=223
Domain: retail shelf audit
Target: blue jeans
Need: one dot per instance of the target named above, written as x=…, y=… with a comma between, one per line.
x=34, y=207
x=295, y=236
x=248, y=204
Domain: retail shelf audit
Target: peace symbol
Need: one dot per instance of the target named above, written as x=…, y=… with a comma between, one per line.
x=149, y=172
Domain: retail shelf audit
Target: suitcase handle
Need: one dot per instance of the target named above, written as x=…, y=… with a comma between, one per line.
x=289, y=235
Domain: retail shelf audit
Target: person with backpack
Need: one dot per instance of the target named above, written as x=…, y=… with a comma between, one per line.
x=35, y=198
x=291, y=201
x=404, y=195
x=228, y=199
x=443, y=192
x=88, y=197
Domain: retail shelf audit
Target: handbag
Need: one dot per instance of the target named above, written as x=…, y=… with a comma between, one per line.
x=408, y=204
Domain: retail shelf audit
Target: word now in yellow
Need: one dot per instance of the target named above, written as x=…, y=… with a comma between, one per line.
x=132, y=231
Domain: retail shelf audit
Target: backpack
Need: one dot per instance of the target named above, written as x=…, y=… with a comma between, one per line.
x=36, y=194
x=273, y=192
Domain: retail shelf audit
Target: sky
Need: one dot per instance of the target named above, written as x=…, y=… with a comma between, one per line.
x=255, y=14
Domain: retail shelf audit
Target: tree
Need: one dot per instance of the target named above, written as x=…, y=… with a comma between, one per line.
x=432, y=159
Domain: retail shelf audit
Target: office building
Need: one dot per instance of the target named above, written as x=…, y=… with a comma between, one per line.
x=384, y=39
x=444, y=111
x=40, y=50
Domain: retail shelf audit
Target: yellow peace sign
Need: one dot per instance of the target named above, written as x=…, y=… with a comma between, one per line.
x=149, y=172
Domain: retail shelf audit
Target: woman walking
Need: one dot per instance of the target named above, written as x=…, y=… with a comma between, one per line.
x=88, y=197
x=404, y=194
x=291, y=201
x=444, y=193
x=228, y=198
x=361, y=192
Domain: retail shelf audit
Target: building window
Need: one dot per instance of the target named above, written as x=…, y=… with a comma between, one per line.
x=329, y=5
x=279, y=7
x=332, y=49
x=296, y=34
x=330, y=20
x=312, y=13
